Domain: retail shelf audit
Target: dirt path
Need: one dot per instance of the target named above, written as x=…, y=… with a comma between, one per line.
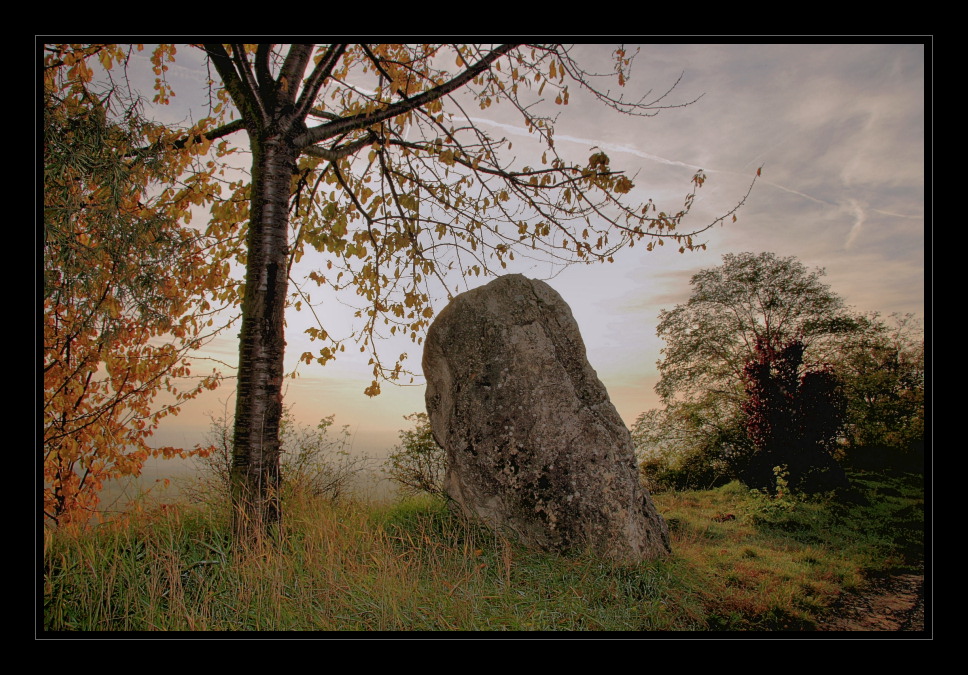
x=889, y=604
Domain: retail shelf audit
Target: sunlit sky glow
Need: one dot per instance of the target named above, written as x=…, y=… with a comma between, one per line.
x=838, y=129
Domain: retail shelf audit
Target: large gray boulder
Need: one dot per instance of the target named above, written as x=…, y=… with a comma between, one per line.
x=533, y=443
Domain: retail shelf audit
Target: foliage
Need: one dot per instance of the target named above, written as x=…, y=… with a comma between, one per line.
x=684, y=446
x=370, y=156
x=760, y=299
x=126, y=287
x=778, y=502
x=315, y=462
x=794, y=417
x=883, y=372
x=418, y=464
x=750, y=297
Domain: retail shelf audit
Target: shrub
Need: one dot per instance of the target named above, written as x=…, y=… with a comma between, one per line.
x=418, y=464
x=681, y=448
x=315, y=461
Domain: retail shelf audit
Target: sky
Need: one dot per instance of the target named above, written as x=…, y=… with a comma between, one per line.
x=839, y=131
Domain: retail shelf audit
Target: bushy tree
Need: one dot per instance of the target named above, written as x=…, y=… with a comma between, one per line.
x=418, y=464
x=687, y=445
x=754, y=304
x=884, y=377
x=751, y=299
x=128, y=289
x=794, y=417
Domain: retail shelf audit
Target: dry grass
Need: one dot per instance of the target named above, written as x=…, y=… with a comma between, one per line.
x=413, y=566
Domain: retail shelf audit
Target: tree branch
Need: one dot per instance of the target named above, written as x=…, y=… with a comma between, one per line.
x=247, y=80
x=245, y=99
x=224, y=130
x=364, y=120
x=339, y=152
x=315, y=80
x=292, y=71
x=262, y=72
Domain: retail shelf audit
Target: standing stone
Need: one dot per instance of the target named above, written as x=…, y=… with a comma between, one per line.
x=533, y=442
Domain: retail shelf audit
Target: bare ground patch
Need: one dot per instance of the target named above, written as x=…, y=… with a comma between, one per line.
x=889, y=604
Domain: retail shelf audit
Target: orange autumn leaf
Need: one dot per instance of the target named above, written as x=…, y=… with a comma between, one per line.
x=126, y=283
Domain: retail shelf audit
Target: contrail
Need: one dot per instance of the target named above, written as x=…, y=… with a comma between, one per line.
x=897, y=215
x=858, y=223
x=521, y=131
x=799, y=194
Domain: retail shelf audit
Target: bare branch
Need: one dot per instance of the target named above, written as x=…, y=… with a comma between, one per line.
x=263, y=75
x=356, y=122
x=316, y=79
x=247, y=99
x=292, y=71
x=249, y=86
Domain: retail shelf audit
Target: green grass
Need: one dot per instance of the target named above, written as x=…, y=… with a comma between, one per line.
x=414, y=566
x=776, y=566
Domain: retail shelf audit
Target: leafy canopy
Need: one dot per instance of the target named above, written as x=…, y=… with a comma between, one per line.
x=748, y=299
x=398, y=185
x=128, y=289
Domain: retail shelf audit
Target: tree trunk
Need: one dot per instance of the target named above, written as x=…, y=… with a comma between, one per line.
x=255, y=461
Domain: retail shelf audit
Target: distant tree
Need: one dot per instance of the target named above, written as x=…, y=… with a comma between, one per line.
x=418, y=464
x=884, y=377
x=748, y=299
x=794, y=417
x=756, y=302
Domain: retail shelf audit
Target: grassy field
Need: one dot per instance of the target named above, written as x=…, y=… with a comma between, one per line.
x=741, y=562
